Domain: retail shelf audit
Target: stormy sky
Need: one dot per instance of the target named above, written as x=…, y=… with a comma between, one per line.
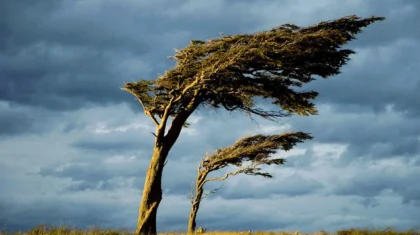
x=74, y=148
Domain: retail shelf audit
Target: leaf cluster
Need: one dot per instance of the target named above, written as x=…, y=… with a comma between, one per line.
x=257, y=149
x=232, y=71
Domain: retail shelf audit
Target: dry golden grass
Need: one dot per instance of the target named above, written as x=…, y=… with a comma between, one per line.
x=63, y=230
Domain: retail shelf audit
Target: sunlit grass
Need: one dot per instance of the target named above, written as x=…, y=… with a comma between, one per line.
x=63, y=230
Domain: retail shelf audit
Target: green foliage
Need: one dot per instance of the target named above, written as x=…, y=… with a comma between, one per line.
x=258, y=149
x=232, y=71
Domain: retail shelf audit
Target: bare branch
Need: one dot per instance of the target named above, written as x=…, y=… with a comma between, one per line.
x=152, y=116
x=210, y=192
x=134, y=94
x=225, y=176
x=146, y=109
x=162, y=125
x=192, y=194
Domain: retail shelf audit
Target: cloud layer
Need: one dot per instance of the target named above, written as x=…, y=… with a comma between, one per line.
x=74, y=148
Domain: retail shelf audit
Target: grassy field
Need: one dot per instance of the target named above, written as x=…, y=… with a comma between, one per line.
x=49, y=230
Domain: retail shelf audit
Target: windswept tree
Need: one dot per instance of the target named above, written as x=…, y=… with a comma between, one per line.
x=231, y=72
x=247, y=154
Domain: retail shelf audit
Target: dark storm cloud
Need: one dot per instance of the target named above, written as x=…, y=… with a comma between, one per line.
x=15, y=120
x=56, y=82
x=393, y=47
x=65, y=55
x=375, y=88
x=74, y=55
x=61, y=211
x=60, y=57
x=79, y=46
x=366, y=134
x=401, y=16
x=374, y=183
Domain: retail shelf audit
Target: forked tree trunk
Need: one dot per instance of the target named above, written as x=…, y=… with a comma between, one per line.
x=152, y=194
x=152, y=190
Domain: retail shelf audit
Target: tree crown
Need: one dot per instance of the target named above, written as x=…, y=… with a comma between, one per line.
x=232, y=71
x=258, y=149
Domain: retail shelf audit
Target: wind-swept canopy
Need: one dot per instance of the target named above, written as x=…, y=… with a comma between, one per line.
x=232, y=71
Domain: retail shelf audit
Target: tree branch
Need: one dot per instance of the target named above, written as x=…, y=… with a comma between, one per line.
x=223, y=177
x=165, y=116
x=152, y=116
x=145, y=109
x=192, y=194
x=208, y=193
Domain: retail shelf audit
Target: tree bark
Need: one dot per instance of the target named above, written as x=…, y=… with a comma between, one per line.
x=191, y=220
x=193, y=213
x=152, y=190
x=199, y=190
x=152, y=193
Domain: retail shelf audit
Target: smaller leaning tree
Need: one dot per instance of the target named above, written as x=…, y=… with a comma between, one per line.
x=255, y=150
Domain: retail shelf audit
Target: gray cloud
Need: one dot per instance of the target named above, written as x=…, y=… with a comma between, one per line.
x=105, y=146
x=79, y=146
x=381, y=181
x=88, y=53
x=366, y=134
x=289, y=186
x=64, y=59
x=60, y=211
x=16, y=120
x=369, y=202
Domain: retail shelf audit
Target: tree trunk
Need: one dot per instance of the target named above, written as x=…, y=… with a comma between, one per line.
x=193, y=215
x=152, y=190
x=152, y=194
x=199, y=190
x=191, y=220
